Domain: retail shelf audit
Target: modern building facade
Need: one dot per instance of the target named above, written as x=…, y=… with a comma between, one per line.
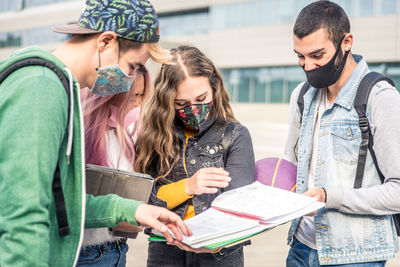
x=249, y=40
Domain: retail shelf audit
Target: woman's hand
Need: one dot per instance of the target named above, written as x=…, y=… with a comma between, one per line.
x=207, y=181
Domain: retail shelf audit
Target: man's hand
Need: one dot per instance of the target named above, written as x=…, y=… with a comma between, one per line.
x=317, y=193
x=161, y=220
x=207, y=181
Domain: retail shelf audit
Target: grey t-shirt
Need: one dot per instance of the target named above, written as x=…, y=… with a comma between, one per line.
x=306, y=231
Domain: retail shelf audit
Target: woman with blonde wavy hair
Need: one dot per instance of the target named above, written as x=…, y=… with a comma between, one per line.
x=181, y=146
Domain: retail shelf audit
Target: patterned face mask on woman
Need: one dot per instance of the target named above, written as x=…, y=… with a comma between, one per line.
x=194, y=115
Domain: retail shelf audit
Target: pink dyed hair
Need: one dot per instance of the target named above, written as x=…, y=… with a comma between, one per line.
x=97, y=110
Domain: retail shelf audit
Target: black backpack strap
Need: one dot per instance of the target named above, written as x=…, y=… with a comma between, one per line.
x=59, y=201
x=300, y=98
x=226, y=141
x=360, y=105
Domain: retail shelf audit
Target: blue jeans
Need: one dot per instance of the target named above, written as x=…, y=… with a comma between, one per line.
x=111, y=254
x=302, y=256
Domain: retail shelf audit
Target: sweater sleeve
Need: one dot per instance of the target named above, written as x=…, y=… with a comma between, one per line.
x=109, y=210
x=33, y=118
x=174, y=194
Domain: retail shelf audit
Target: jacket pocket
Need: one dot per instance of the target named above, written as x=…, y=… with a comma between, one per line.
x=346, y=142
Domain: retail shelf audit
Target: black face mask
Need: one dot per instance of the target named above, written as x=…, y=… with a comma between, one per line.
x=328, y=74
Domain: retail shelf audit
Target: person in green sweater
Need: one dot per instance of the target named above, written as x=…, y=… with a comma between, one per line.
x=41, y=131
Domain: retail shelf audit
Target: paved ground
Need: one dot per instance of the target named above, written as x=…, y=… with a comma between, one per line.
x=268, y=127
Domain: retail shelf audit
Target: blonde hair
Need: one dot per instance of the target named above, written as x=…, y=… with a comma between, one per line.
x=158, y=144
x=158, y=54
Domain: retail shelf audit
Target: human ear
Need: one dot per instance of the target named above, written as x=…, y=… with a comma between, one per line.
x=347, y=42
x=106, y=40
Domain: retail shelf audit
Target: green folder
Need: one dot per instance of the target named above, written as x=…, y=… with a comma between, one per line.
x=226, y=243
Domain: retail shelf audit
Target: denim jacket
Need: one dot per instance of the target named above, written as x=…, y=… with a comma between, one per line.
x=205, y=150
x=343, y=235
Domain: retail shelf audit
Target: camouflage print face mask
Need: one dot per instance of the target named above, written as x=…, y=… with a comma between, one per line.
x=194, y=115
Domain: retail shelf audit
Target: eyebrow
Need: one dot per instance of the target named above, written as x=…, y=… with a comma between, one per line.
x=203, y=94
x=312, y=53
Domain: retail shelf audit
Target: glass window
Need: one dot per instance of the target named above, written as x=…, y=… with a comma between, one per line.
x=218, y=17
x=233, y=16
x=260, y=91
x=249, y=13
x=260, y=85
x=363, y=8
x=276, y=91
x=285, y=11
x=266, y=16
x=184, y=24
x=393, y=71
x=387, y=7
x=244, y=86
x=10, y=5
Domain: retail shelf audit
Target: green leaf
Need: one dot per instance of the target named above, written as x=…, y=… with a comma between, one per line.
x=122, y=30
x=144, y=3
x=113, y=10
x=100, y=25
x=142, y=26
x=128, y=11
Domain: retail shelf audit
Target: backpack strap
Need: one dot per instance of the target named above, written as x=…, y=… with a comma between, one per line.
x=360, y=105
x=226, y=141
x=300, y=98
x=59, y=201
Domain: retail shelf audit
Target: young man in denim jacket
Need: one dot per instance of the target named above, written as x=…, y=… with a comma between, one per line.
x=356, y=226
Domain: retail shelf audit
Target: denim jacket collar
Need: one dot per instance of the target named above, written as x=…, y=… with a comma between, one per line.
x=348, y=92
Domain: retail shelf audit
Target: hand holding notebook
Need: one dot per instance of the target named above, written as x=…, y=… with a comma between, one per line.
x=246, y=211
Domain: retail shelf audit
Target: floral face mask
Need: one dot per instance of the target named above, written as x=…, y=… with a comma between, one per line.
x=194, y=115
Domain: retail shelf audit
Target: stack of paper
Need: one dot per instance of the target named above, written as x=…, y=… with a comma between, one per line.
x=238, y=214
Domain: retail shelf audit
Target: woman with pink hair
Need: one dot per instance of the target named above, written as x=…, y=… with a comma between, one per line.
x=111, y=124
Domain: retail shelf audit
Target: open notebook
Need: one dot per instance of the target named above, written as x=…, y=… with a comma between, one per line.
x=238, y=214
x=102, y=181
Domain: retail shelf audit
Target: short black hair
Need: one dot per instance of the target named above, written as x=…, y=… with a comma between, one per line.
x=322, y=14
